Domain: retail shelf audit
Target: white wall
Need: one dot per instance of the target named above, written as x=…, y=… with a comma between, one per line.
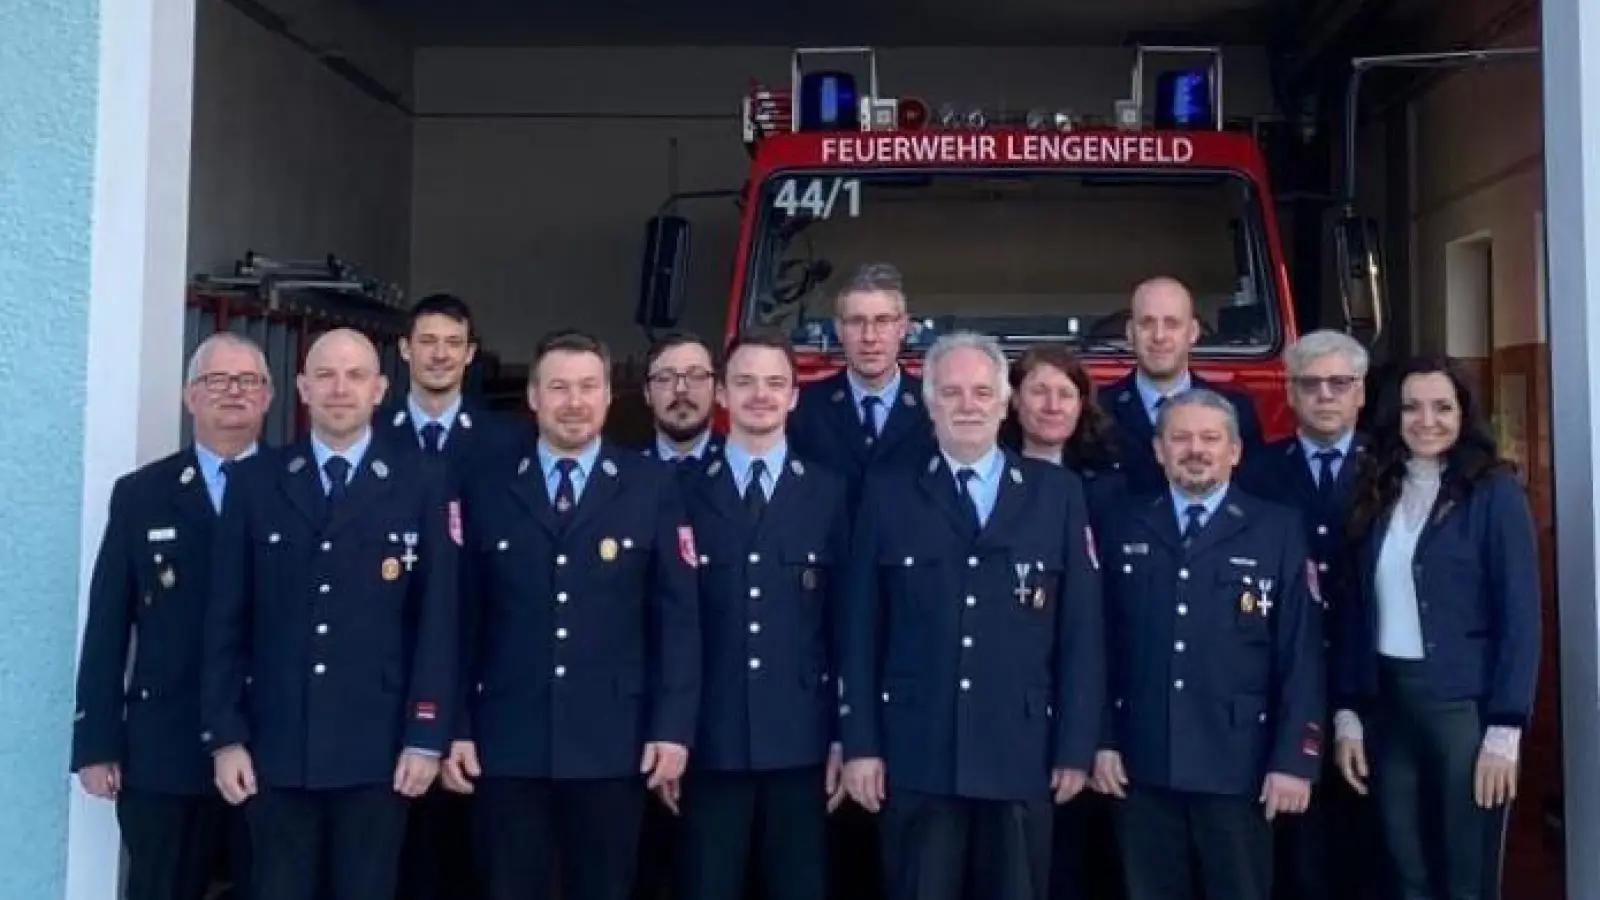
x=291, y=160
x=536, y=169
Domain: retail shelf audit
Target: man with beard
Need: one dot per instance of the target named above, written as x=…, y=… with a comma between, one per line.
x=440, y=421
x=133, y=735
x=1328, y=852
x=972, y=652
x=773, y=532
x=680, y=384
x=1162, y=330
x=583, y=645
x=331, y=639
x=870, y=413
x=1214, y=725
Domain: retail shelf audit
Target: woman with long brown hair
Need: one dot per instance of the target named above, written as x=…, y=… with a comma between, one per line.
x=1055, y=418
x=1437, y=642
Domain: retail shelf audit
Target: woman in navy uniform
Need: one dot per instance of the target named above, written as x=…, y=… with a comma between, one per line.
x=1058, y=419
x=1437, y=649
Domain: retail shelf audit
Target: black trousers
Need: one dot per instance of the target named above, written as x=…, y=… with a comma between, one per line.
x=1084, y=863
x=660, y=843
x=1331, y=851
x=1424, y=756
x=354, y=835
x=945, y=848
x=1165, y=834
x=437, y=863
x=173, y=843
x=781, y=815
x=855, y=855
x=526, y=829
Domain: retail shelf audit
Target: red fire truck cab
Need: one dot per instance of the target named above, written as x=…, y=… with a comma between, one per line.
x=1033, y=226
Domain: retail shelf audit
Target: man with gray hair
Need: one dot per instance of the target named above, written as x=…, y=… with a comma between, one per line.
x=1315, y=470
x=134, y=735
x=1217, y=704
x=972, y=653
x=870, y=413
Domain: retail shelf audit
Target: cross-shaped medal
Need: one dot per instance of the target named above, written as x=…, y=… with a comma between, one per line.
x=1266, y=596
x=409, y=557
x=1022, y=591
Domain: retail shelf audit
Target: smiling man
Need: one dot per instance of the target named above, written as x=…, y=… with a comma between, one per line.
x=1216, y=682
x=331, y=639
x=972, y=658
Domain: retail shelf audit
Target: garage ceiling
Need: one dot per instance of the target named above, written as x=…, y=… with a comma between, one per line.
x=791, y=22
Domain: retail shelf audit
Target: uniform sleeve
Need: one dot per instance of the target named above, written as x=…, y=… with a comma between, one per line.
x=473, y=582
x=1298, y=665
x=113, y=593
x=1515, y=612
x=858, y=634
x=1080, y=690
x=431, y=692
x=226, y=633
x=839, y=551
x=674, y=620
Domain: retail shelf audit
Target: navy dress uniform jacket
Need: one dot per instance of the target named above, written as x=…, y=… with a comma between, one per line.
x=478, y=438
x=1135, y=433
x=584, y=641
x=150, y=584
x=962, y=682
x=768, y=607
x=1216, y=672
x=1282, y=471
x=826, y=428
x=331, y=641
x=1476, y=571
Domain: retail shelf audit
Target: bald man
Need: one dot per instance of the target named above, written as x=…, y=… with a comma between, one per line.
x=1162, y=331
x=330, y=641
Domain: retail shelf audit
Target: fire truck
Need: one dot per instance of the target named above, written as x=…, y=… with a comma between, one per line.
x=1029, y=225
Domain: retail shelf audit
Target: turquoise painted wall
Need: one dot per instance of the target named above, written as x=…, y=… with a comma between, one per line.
x=49, y=54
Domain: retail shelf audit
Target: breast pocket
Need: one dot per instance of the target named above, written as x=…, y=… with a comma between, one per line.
x=811, y=570
x=1253, y=600
x=396, y=554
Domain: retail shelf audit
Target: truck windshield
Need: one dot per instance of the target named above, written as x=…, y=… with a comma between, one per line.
x=1024, y=256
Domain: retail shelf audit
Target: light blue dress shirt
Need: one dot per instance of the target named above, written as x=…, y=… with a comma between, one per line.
x=353, y=455
x=886, y=396
x=211, y=470
x=580, y=475
x=420, y=418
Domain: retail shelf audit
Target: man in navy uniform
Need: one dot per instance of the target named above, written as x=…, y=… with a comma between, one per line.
x=1214, y=725
x=871, y=412
x=437, y=417
x=972, y=660
x=773, y=532
x=583, y=651
x=1162, y=331
x=1328, y=852
x=331, y=639
x=680, y=388
x=133, y=738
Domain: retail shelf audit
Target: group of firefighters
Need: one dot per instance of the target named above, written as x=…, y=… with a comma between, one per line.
x=987, y=633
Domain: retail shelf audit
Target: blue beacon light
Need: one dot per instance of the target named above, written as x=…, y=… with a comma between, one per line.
x=829, y=102
x=1183, y=99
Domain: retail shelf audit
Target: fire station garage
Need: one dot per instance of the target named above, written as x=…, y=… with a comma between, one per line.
x=169, y=168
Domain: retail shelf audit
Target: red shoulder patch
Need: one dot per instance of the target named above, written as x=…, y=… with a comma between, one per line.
x=686, y=549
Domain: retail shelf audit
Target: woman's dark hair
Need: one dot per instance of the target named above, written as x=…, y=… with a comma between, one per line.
x=1382, y=471
x=1091, y=446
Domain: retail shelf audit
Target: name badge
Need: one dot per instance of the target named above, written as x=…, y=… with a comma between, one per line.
x=162, y=535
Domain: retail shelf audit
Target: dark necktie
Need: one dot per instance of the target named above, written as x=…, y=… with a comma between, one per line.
x=226, y=469
x=964, y=476
x=433, y=437
x=337, y=468
x=1193, y=513
x=869, y=417
x=755, y=499
x=566, y=496
x=1325, y=476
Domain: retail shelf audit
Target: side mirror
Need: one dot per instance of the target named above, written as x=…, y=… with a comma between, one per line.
x=1362, y=291
x=663, y=272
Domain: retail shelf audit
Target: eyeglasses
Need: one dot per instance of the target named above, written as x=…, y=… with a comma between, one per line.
x=222, y=382
x=1311, y=385
x=667, y=379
